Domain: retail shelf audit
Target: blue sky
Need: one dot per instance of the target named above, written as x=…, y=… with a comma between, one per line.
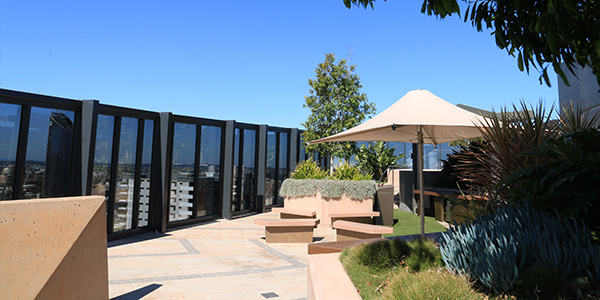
x=249, y=61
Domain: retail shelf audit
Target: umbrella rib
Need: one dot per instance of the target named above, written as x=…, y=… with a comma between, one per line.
x=424, y=128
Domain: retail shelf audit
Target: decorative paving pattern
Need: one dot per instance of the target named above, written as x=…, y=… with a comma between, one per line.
x=293, y=264
x=184, y=242
x=222, y=259
x=278, y=254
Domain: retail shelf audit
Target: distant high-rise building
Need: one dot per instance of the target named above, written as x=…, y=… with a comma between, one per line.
x=583, y=89
x=58, y=156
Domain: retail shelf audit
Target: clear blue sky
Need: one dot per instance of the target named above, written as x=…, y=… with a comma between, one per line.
x=249, y=61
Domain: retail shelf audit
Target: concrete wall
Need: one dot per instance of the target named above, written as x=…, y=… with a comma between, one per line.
x=53, y=249
x=584, y=90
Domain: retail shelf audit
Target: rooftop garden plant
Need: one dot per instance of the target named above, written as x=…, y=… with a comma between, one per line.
x=376, y=158
x=308, y=178
x=503, y=249
x=395, y=269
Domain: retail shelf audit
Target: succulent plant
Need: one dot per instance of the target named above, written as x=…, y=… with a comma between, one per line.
x=495, y=247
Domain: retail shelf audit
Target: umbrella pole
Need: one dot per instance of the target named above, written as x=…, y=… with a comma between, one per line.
x=421, y=193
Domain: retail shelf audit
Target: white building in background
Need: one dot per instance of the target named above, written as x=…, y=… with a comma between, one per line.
x=181, y=202
x=124, y=204
x=144, y=202
x=583, y=89
x=180, y=207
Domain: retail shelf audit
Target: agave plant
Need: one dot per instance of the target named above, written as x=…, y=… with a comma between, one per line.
x=496, y=247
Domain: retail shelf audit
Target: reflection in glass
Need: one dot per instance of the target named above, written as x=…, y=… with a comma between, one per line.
x=430, y=157
x=271, y=167
x=48, y=156
x=144, y=210
x=102, y=155
x=125, y=175
x=402, y=148
x=182, y=174
x=283, y=163
x=445, y=150
x=302, y=155
x=210, y=166
x=248, y=170
x=9, y=131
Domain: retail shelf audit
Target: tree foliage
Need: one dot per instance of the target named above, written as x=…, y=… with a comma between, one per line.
x=335, y=104
x=539, y=33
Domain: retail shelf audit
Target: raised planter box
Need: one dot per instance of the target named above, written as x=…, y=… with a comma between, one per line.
x=53, y=248
x=342, y=196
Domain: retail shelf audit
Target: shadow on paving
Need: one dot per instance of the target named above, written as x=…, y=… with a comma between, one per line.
x=139, y=293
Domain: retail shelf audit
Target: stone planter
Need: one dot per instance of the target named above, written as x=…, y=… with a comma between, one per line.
x=324, y=206
x=53, y=248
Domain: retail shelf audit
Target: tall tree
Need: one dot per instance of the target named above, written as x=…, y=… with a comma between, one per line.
x=540, y=33
x=335, y=104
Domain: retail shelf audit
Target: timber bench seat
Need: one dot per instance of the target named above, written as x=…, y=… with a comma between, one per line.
x=347, y=231
x=288, y=230
x=360, y=217
x=292, y=213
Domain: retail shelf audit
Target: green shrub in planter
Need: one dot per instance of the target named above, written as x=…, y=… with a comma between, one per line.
x=328, y=188
x=496, y=247
x=418, y=255
x=347, y=171
x=424, y=255
x=384, y=254
x=308, y=169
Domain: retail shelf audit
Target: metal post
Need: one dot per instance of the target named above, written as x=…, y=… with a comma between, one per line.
x=227, y=170
x=89, y=120
x=293, y=140
x=161, y=207
x=261, y=168
x=421, y=189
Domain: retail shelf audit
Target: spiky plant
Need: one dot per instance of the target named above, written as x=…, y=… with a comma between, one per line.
x=506, y=135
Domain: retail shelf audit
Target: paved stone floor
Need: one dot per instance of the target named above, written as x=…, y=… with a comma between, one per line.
x=215, y=260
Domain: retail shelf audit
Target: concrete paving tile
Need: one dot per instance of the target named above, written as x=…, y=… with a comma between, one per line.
x=215, y=260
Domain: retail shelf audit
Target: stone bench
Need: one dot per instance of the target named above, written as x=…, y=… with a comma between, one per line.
x=347, y=231
x=360, y=217
x=291, y=213
x=288, y=230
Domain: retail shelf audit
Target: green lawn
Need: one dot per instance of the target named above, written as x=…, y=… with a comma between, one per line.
x=409, y=224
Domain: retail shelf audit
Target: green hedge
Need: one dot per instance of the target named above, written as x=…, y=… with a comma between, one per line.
x=328, y=188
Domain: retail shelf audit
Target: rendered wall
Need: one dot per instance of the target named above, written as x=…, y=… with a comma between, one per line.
x=53, y=248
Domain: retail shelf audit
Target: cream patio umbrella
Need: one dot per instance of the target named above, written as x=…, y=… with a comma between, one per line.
x=418, y=117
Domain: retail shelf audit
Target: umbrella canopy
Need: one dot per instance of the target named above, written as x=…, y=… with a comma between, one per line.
x=419, y=117
x=441, y=122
